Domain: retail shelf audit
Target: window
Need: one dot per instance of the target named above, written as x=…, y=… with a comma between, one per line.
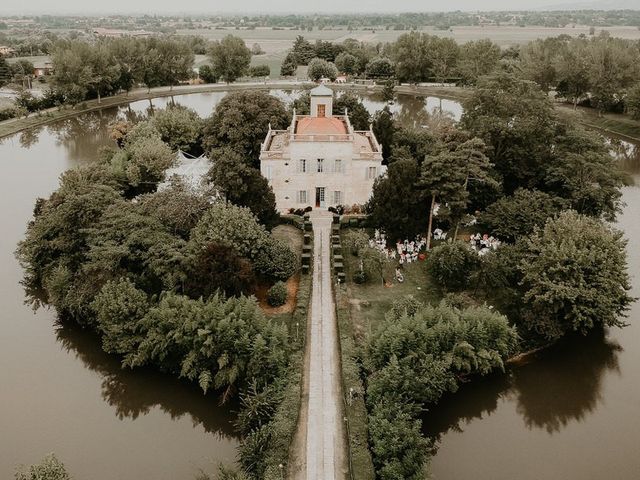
x=302, y=197
x=321, y=110
x=267, y=171
x=372, y=172
x=337, y=166
x=337, y=198
x=320, y=165
x=302, y=166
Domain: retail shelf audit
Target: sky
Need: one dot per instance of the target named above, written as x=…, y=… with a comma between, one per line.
x=9, y=7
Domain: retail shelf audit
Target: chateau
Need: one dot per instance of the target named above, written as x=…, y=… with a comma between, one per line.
x=320, y=160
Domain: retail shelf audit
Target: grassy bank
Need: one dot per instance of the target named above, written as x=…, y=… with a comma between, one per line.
x=611, y=123
x=16, y=125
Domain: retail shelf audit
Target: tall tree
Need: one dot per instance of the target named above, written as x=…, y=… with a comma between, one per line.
x=575, y=277
x=615, y=66
x=243, y=185
x=443, y=54
x=572, y=69
x=73, y=73
x=379, y=68
x=346, y=63
x=127, y=54
x=358, y=113
x=397, y=203
x=319, y=68
x=177, y=60
x=105, y=72
x=537, y=61
x=477, y=58
x=230, y=58
x=179, y=127
x=5, y=72
x=411, y=63
x=516, y=121
x=241, y=121
x=446, y=176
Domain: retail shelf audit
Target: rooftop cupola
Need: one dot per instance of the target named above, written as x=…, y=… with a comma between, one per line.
x=321, y=101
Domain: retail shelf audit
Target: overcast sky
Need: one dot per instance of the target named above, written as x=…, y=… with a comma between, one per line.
x=261, y=6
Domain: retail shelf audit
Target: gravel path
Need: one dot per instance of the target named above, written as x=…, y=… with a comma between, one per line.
x=325, y=445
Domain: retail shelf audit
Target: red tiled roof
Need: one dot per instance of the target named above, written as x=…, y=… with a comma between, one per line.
x=320, y=125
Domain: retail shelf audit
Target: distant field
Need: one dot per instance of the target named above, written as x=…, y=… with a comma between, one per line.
x=277, y=41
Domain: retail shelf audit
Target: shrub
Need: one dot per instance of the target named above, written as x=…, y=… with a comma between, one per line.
x=417, y=355
x=399, y=450
x=49, y=469
x=260, y=71
x=360, y=277
x=207, y=75
x=277, y=294
x=8, y=113
x=452, y=264
x=516, y=216
x=355, y=241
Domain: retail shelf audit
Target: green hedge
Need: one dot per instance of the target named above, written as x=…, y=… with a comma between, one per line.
x=359, y=456
x=295, y=220
x=355, y=221
x=284, y=423
x=360, y=463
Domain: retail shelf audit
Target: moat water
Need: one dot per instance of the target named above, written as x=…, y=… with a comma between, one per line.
x=571, y=414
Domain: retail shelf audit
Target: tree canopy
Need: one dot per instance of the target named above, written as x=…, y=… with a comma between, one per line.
x=574, y=276
x=241, y=121
x=230, y=58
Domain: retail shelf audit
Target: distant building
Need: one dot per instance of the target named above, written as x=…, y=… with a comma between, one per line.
x=42, y=68
x=7, y=51
x=320, y=160
x=112, y=33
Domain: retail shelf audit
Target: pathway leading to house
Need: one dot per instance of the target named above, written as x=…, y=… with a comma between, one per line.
x=325, y=448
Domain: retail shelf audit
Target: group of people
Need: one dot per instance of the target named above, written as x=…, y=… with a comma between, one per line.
x=483, y=244
x=405, y=252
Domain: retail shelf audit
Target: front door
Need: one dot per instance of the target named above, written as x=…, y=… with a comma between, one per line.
x=320, y=203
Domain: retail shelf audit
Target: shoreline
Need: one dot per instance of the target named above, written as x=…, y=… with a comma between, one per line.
x=611, y=124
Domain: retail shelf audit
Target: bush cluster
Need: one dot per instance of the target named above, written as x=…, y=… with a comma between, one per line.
x=277, y=294
x=451, y=265
x=419, y=353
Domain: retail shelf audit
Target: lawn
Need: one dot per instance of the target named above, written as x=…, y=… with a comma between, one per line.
x=368, y=303
x=610, y=122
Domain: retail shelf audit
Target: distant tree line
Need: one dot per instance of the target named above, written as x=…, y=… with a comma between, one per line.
x=599, y=71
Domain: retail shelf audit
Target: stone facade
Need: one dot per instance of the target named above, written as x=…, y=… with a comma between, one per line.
x=320, y=160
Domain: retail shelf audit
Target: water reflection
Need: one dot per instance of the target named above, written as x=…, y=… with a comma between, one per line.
x=82, y=136
x=627, y=153
x=30, y=137
x=472, y=401
x=136, y=392
x=563, y=384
